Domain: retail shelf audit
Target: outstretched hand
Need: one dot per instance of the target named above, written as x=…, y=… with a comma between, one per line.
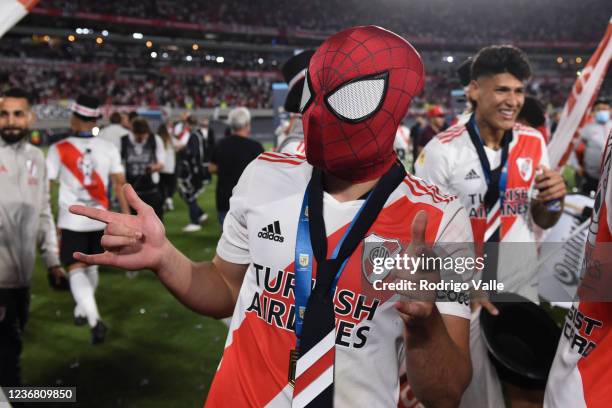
x=130, y=241
x=421, y=302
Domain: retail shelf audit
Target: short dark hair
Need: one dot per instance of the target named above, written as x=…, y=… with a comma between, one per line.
x=19, y=94
x=140, y=126
x=533, y=112
x=132, y=115
x=115, y=118
x=601, y=101
x=500, y=59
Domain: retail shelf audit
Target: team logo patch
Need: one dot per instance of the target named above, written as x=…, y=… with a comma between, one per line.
x=525, y=167
x=421, y=158
x=375, y=246
x=32, y=170
x=304, y=260
x=2, y=313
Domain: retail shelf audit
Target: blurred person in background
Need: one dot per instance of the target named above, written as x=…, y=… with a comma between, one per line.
x=143, y=157
x=403, y=145
x=130, y=119
x=83, y=166
x=167, y=174
x=436, y=124
x=415, y=131
x=533, y=113
x=26, y=223
x=594, y=136
x=191, y=171
x=115, y=130
x=208, y=145
x=231, y=156
x=294, y=73
x=113, y=134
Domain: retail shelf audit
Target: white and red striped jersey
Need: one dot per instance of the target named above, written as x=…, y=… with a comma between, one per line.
x=260, y=230
x=581, y=373
x=82, y=165
x=451, y=162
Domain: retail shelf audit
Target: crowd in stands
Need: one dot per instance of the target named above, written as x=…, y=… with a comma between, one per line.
x=134, y=55
x=542, y=20
x=112, y=87
x=156, y=88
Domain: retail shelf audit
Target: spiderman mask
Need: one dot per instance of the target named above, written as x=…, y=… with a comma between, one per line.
x=358, y=88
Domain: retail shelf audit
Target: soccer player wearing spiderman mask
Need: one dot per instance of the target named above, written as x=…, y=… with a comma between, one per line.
x=290, y=344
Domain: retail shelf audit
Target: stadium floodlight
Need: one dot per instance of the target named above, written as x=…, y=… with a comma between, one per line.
x=450, y=59
x=149, y=44
x=578, y=60
x=195, y=47
x=189, y=58
x=105, y=33
x=99, y=40
x=137, y=36
x=153, y=54
x=79, y=31
x=559, y=60
x=85, y=31
x=165, y=55
x=260, y=61
x=220, y=60
x=578, y=73
x=71, y=38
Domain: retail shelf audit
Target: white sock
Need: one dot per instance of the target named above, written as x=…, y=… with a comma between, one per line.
x=78, y=311
x=83, y=294
x=92, y=275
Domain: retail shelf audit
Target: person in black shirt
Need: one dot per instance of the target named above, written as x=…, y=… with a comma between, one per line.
x=231, y=156
x=142, y=154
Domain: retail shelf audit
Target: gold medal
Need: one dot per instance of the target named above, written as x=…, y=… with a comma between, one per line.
x=293, y=358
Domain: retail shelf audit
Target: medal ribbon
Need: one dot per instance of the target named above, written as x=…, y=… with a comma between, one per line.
x=315, y=317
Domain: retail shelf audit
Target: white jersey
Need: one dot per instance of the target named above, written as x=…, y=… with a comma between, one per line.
x=581, y=373
x=83, y=166
x=450, y=161
x=260, y=230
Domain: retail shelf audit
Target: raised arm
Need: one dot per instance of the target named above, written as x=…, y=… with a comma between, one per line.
x=437, y=346
x=139, y=242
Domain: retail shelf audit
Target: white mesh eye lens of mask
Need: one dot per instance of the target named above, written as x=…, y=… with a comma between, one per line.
x=357, y=100
x=305, y=94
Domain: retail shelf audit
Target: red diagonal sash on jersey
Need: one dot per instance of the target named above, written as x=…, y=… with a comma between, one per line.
x=69, y=156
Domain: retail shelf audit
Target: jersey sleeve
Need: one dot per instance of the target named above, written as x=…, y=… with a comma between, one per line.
x=432, y=165
x=233, y=246
x=53, y=163
x=454, y=239
x=115, y=156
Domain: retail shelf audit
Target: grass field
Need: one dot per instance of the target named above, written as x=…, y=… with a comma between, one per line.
x=157, y=353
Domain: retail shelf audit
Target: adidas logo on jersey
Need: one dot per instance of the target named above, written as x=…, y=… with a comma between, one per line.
x=271, y=232
x=472, y=175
